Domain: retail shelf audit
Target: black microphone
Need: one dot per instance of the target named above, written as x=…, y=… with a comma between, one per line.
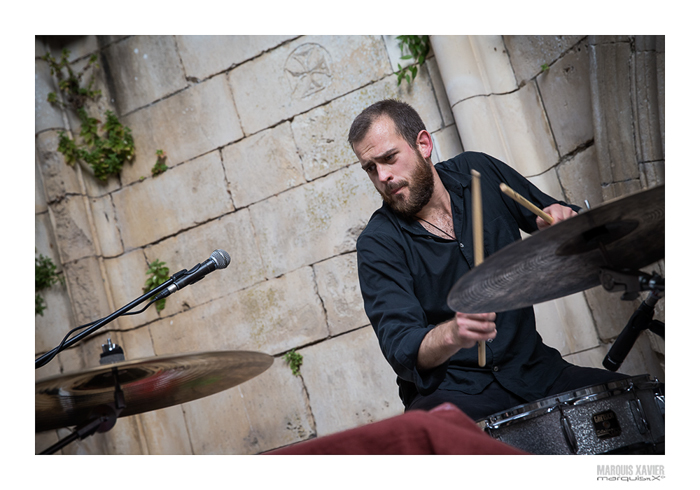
x=640, y=321
x=219, y=259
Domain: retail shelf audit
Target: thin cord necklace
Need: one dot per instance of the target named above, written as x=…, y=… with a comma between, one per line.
x=443, y=231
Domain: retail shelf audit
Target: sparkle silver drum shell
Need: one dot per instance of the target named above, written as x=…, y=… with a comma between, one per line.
x=620, y=417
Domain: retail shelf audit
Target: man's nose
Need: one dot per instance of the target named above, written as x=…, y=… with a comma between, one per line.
x=384, y=174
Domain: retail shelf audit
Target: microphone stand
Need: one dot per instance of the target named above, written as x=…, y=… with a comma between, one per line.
x=44, y=359
x=632, y=282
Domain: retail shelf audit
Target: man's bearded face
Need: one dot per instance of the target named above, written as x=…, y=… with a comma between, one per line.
x=419, y=185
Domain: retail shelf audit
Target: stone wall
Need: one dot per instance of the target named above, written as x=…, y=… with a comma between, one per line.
x=254, y=128
x=255, y=132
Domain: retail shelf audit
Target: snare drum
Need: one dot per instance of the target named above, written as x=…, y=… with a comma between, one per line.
x=620, y=417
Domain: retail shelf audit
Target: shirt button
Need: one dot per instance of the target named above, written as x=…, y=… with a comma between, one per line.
x=495, y=368
x=461, y=245
x=489, y=340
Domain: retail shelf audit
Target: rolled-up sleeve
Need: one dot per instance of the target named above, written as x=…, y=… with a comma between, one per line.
x=394, y=310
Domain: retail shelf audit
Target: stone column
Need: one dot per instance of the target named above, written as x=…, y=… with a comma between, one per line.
x=511, y=99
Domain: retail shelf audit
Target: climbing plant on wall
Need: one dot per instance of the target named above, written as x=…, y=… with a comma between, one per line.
x=415, y=48
x=104, y=146
x=45, y=276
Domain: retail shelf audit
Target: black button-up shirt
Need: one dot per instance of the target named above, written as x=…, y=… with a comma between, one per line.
x=406, y=274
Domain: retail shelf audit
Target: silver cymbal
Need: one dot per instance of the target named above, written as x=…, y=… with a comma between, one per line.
x=566, y=258
x=147, y=384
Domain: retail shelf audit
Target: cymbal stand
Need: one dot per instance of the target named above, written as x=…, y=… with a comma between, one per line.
x=44, y=359
x=103, y=417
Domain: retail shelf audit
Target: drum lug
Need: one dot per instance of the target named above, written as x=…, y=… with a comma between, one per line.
x=639, y=417
x=661, y=404
x=569, y=433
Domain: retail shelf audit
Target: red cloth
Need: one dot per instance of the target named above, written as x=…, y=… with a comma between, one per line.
x=443, y=430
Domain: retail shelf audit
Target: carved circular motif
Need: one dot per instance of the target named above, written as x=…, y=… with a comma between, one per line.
x=308, y=70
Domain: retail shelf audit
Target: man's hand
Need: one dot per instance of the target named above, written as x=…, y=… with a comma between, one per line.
x=556, y=211
x=461, y=332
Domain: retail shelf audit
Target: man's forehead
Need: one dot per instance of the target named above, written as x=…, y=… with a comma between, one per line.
x=380, y=137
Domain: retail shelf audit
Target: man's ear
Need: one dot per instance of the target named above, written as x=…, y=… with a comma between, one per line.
x=424, y=143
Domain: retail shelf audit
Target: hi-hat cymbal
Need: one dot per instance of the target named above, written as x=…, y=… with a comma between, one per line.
x=147, y=384
x=566, y=258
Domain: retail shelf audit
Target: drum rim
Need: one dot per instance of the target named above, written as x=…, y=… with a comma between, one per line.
x=589, y=393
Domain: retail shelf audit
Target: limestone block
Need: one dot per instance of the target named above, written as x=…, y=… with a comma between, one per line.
x=90, y=445
x=613, y=115
x=473, y=65
x=271, y=317
x=137, y=343
x=580, y=178
x=621, y=189
x=126, y=276
x=106, y=226
x=94, y=187
x=72, y=228
x=350, y=384
x=510, y=127
x=318, y=220
x=232, y=233
x=125, y=438
x=186, y=125
x=446, y=144
x=589, y=358
x=79, y=46
x=45, y=240
x=204, y=56
x=165, y=431
x=52, y=326
x=270, y=153
x=647, y=123
x=322, y=133
x=440, y=93
x=529, y=53
x=46, y=116
x=39, y=47
x=85, y=283
x=303, y=74
x=339, y=288
x=56, y=321
x=652, y=174
x=609, y=311
x=59, y=179
x=548, y=183
x=264, y=413
x=566, y=324
x=661, y=86
x=40, y=205
x=143, y=69
x=44, y=440
x=566, y=95
x=182, y=197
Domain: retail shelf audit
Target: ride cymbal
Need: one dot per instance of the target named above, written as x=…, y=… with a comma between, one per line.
x=624, y=234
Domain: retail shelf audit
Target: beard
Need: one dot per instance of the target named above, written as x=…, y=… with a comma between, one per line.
x=420, y=190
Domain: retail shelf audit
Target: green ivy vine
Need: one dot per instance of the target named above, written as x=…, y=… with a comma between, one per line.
x=105, y=146
x=415, y=48
x=45, y=276
x=294, y=360
x=157, y=274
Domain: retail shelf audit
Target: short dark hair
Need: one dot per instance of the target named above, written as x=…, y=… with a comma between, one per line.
x=407, y=121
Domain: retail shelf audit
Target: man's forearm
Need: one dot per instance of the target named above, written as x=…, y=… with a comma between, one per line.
x=436, y=348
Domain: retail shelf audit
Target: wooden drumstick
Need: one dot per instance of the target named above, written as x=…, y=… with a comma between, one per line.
x=521, y=200
x=478, y=233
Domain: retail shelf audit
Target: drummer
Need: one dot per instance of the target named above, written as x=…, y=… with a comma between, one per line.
x=416, y=247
